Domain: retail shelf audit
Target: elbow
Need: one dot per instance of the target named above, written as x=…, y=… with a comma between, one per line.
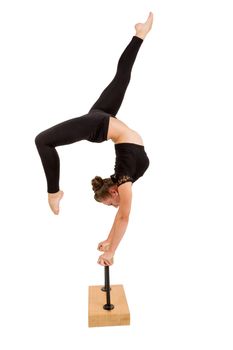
x=123, y=214
x=124, y=217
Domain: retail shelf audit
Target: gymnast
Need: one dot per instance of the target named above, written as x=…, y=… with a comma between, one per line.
x=98, y=125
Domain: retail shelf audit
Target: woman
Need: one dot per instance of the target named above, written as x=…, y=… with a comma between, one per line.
x=99, y=125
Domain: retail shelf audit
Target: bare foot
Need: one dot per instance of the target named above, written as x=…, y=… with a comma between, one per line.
x=54, y=200
x=143, y=28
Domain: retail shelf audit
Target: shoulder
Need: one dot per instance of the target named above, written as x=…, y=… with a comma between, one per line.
x=121, y=179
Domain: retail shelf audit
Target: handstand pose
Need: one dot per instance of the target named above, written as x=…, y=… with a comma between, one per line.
x=101, y=124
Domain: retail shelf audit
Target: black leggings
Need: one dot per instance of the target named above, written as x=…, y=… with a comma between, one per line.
x=92, y=126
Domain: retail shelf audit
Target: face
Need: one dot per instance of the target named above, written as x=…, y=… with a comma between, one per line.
x=113, y=199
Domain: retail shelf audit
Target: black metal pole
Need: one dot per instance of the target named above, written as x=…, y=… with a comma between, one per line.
x=108, y=305
x=106, y=279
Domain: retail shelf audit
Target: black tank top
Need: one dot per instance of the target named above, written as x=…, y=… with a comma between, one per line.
x=131, y=163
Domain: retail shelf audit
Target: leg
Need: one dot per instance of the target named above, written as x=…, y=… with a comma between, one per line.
x=65, y=133
x=111, y=98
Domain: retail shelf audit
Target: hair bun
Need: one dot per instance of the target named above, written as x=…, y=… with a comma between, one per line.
x=97, y=183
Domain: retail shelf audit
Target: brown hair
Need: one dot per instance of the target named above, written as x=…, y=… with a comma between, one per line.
x=101, y=187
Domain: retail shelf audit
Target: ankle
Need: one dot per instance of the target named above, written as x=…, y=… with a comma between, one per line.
x=55, y=194
x=51, y=195
x=140, y=35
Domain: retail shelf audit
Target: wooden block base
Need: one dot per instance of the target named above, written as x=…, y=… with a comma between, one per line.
x=98, y=317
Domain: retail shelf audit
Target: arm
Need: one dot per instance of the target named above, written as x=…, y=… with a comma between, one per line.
x=120, y=222
x=122, y=216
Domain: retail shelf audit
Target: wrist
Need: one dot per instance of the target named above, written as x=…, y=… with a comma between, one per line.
x=111, y=250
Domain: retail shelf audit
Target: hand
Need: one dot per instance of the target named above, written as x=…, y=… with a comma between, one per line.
x=106, y=259
x=103, y=246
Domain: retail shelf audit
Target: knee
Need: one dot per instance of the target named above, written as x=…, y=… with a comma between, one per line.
x=40, y=140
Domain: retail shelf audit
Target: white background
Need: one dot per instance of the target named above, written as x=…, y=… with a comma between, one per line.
x=175, y=260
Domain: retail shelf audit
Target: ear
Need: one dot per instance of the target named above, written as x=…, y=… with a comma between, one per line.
x=113, y=190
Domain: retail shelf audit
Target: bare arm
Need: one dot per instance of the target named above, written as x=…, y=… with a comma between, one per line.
x=120, y=222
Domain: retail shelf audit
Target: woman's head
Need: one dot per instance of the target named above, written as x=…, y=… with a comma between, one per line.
x=106, y=191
